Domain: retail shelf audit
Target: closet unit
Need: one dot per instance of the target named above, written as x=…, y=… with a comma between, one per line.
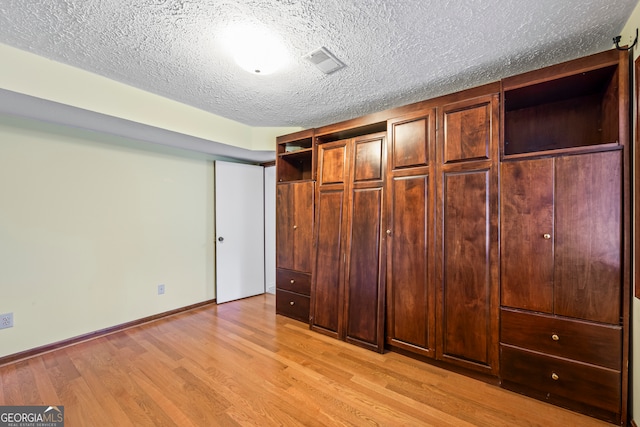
x=347, y=299
x=442, y=282
x=294, y=224
x=564, y=248
x=487, y=231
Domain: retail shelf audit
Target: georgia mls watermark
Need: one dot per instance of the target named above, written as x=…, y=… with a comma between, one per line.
x=31, y=416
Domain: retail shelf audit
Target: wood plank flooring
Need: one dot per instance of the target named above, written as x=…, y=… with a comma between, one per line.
x=238, y=364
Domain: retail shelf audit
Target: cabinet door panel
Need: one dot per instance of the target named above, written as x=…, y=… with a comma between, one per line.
x=411, y=313
x=410, y=143
x=368, y=160
x=284, y=226
x=467, y=132
x=527, y=215
x=326, y=293
x=333, y=163
x=588, y=237
x=466, y=278
x=363, y=317
x=303, y=226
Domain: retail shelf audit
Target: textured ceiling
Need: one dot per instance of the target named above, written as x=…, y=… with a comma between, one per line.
x=396, y=52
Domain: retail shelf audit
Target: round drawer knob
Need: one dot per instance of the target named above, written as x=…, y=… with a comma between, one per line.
x=389, y=232
x=293, y=281
x=555, y=337
x=554, y=376
x=546, y=236
x=295, y=226
x=291, y=303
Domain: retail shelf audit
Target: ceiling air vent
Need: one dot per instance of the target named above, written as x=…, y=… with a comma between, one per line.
x=324, y=60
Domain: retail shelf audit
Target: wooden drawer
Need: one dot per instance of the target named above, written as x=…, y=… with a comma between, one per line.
x=293, y=281
x=557, y=377
x=593, y=343
x=292, y=305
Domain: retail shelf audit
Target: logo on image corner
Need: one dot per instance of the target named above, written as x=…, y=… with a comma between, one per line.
x=31, y=416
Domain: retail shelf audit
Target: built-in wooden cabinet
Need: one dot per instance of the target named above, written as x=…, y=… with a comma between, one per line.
x=467, y=268
x=487, y=231
x=442, y=279
x=564, y=248
x=411, y=290
x=295, y=192
x=347, y=299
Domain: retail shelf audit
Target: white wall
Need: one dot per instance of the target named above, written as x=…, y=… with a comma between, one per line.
x=90, y=225
x=26, y=73
x=628, y=35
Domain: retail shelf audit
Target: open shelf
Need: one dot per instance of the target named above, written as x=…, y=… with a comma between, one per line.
x=575, y=111
x=295, y=158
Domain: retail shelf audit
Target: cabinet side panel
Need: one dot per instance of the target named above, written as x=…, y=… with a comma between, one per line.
x=466, y=323
x=527, y=235
x=284, y=226
x=364, y=265
x=588, y=237
x=326, y=290
x=410, y=312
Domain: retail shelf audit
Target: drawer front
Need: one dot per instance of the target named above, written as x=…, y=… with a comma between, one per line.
x=292, y=305
x=587, y=342
x=579, y=382
x=293, y=281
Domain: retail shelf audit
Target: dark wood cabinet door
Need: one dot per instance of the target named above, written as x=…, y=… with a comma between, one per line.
x=285, y=219
x=303, y=225
x=588, y=236
x=467, y=291
x=364, y=278
x=527, y=221
x=467, y=130
x=411, y=317
x=466, y=321
x=294, y=225
x=411, y=138
x=411, y=299
x=364, y=305
x=326, y=292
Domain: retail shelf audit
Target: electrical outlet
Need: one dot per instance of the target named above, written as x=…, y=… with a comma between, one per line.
x=6, y=320
x=160, y=289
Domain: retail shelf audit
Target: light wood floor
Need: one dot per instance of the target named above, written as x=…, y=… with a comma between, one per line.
x=240, y=364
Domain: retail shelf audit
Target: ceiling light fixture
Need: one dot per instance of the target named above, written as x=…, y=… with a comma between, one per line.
x=255, y=48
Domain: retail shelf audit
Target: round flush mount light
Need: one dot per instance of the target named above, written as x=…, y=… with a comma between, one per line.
x=255, y=48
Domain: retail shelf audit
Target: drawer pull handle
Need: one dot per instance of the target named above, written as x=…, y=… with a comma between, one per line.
x=295, y=227
x=554, y=376
x=293, y=281
x=293, y=303
x=388, y=232
x=546, y=236
x=555, y=337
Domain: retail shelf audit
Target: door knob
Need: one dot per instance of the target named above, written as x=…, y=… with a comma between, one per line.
x=546, y=236
x=220, y=239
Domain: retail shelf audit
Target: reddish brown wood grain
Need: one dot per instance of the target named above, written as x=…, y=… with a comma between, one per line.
x=588, y=237
x=527, y=257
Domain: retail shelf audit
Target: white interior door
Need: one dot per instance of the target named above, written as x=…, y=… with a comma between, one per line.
x=270, y=229
x=239, y=231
